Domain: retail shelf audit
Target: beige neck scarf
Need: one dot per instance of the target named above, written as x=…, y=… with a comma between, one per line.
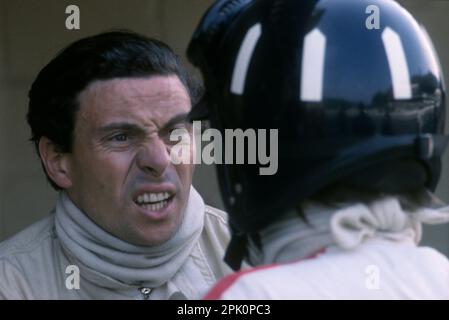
x=109, y=256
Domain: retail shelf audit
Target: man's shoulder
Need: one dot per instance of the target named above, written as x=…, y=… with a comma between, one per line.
x=232, y=283
x=214, y=240
x=215, y=215
x=28, y=239
x=321, y=277
x=216, y=225
x=272, y=281
x=21, y=255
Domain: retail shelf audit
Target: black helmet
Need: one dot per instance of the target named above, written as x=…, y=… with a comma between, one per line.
x=352, y=101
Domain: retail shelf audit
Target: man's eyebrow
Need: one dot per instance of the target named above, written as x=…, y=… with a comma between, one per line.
x=125, y=126
x=179, y=118
x=129, y=126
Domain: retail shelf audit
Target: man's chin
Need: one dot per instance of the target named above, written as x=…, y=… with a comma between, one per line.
x=153, y=234
x=154, y=226
x=158, y=238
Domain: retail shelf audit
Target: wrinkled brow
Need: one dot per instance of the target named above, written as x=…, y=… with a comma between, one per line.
x=133, y=127
x=179, y=118
x=122, y=126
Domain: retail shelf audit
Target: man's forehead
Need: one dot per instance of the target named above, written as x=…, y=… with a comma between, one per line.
x=157, y=96
x=124, y=89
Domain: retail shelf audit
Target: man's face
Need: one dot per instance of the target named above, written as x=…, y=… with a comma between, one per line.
x=120, y=167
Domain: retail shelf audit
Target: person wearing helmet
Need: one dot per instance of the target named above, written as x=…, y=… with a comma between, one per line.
x=360, y=116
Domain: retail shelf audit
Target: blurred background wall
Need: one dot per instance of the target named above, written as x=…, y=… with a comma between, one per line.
x=32, y=32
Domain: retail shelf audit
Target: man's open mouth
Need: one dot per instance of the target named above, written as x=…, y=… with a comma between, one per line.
x=154, y=201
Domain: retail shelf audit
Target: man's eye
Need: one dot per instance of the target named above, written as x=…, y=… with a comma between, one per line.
x=120, y=137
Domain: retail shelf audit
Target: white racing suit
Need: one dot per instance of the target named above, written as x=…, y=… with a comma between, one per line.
x=360, y=251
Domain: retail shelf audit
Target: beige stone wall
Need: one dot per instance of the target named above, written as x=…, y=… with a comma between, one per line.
x=32, y=32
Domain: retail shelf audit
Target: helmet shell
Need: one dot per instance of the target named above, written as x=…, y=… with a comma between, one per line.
x=345, y=97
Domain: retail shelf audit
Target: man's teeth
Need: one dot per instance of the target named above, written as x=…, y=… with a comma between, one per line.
x=155, y=206
x=154, y=201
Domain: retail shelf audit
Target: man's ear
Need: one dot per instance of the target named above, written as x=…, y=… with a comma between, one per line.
x=56, y=163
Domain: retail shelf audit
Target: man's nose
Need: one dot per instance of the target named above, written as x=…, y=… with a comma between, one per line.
x=153, y=157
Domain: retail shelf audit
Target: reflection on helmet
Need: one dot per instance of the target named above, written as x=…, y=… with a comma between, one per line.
x=347, y=100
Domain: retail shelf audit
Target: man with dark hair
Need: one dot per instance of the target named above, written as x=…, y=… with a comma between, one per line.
x=127, y=223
